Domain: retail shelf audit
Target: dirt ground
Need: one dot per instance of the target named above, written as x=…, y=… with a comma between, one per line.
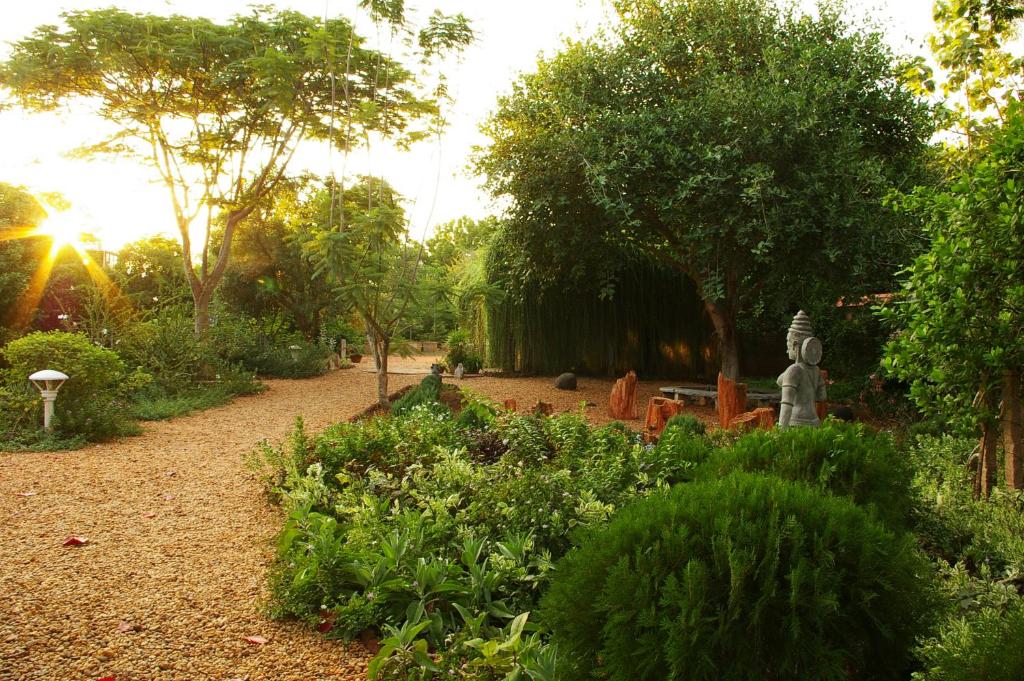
x=172, y=578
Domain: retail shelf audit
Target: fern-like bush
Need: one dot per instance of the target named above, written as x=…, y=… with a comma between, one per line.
x=850, y=460
x=747, y=577
x=987, y=645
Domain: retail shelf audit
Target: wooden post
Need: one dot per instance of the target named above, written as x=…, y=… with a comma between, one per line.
x=732, y=400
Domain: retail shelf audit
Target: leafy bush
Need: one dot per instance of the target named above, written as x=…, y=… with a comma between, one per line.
x=952, y=525
x=166, y=348
x=984, y=646
x=283, y=362
x=427, y=392
x=741, y=578
x=92, y=403
x=460, y=351
x=845, y=459
x=400, y=520
x=681, y=448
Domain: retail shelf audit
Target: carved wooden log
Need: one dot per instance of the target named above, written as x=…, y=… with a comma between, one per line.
x=762, y=417
x=510, y=405
x=659, y=411
x=622, y=403
x=732, y=400
x=543, y=409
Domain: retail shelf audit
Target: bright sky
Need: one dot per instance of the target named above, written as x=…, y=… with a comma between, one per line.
x=118, y=201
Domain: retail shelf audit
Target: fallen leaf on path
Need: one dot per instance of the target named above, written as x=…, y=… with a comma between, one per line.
x=149, y=515
x=256, y=640
x=168, y=497
x=171, y=474
x=107, y=678
x=324, y=626
x=76, y=541
x=126, y=627
x=25, y=494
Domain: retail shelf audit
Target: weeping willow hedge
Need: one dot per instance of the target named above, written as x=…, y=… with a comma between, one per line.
x=652, y=323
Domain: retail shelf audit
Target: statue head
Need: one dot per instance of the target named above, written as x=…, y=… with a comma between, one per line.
x=799, y=331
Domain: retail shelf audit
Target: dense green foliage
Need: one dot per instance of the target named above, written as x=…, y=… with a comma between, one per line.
x=19, y=257
x=962, y=305
x=843, y=459
x=984, y=646
x=740, y=578
x=460, y=351
x=742, y=144
x=91, y=403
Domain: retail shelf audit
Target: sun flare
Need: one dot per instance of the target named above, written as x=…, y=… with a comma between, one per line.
x=64, y=229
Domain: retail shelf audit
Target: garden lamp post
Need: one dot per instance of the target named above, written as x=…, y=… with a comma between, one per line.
x=49, y=382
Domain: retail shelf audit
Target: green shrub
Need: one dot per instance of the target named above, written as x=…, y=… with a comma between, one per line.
x=460, y=351
x=686, y=423
x=681, y=448
x=987, y=645
x=166, y=348
x=845, y=459
x=283, y=362
x=92, y=402
x=427, y=392
x=747, y=577
x=954, y=526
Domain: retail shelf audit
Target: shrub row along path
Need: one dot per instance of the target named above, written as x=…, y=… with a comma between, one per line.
x=171, y=580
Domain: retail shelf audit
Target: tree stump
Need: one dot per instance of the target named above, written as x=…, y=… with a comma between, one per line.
x=622, y=403
x=659, y=411
x=762, y=417
x=543, y=409
x=732, y=400
x=509, y=405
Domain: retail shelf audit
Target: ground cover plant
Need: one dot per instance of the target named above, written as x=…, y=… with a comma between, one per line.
x=483, y=544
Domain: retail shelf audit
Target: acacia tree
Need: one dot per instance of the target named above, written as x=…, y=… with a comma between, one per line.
x=748, y=147
x=369, y=260
x=217, y=109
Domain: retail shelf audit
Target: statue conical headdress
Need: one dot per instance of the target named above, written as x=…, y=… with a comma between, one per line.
x=801, y=326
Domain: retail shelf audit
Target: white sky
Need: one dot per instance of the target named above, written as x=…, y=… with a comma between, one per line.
x=118, y=201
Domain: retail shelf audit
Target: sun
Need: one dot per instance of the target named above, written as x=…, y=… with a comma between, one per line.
x=64, y=229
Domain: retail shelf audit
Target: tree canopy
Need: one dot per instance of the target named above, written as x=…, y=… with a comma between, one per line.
x=219, y=109
x=749, y=147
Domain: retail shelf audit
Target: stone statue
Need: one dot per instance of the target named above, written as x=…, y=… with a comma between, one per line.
x=802, y=383
x=460, y=371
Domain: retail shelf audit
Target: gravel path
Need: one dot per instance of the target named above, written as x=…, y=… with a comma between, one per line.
x=170, y=583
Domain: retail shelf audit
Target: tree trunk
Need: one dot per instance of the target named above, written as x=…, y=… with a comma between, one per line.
x=1013, y=431
x=202, y=320
x=987, y=453
x=380, y=348
x=725, y=328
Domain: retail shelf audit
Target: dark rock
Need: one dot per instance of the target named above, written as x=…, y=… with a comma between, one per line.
x=566, y=382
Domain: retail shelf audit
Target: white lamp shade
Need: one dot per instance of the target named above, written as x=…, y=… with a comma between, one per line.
x=48, y=379
x=48, y=375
